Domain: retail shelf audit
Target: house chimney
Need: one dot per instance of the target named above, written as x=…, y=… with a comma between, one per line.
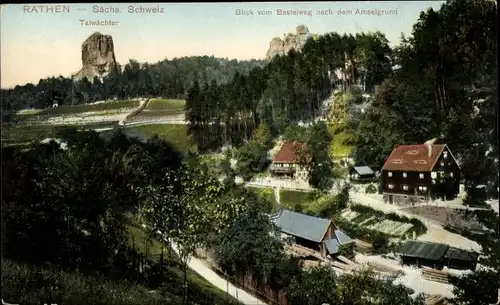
x=429, y=149
x=429, y=144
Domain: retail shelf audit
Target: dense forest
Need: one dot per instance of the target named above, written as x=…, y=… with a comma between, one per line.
x=288, y=90
x=167, y=78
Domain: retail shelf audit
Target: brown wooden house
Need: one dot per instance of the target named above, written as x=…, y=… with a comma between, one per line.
x=415, y=173
x=287, y=161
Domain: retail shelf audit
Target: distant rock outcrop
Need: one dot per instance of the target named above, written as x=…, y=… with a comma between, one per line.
x=290, y=41
x=98, y=57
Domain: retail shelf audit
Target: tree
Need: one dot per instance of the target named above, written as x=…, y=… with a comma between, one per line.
x=321, y=172
x=482, y=286
x=246, y=247
x=363, y=286
x=318, y=285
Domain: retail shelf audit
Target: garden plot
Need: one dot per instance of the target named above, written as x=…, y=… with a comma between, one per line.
x=378, y=223
x=391, y=227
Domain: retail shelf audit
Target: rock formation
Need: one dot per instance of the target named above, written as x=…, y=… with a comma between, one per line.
x=290, y=41
x=98, y=57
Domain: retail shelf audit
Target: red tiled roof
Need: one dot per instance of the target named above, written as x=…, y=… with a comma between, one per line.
x=287, y=152
x=413, y=157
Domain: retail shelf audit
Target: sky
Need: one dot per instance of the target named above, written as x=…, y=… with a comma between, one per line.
x=36, y=44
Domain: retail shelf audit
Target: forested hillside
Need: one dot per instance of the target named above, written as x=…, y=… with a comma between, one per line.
x=167, y=78
x=444, y=88
x=289, y=89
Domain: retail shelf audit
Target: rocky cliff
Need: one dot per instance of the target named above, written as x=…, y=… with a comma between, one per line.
x=290, y=41
x=98, y=57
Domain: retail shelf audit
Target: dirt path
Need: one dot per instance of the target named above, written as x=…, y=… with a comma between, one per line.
x=240, y=295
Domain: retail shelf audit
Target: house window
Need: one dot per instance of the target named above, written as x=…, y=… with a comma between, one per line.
x=451, y=175
x=433, y=175
x=389, y=174
x=390, y=186
x=405, y=187
x=442, y=163
x=421, y=175
x=404, y=175
x=424, y=188
x=433, y=181
x=445, y=154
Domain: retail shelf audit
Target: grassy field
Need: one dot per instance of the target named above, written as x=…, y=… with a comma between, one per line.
x=176, y=134
x=337, y=147
x=290, y=198
x=27, y=133
x=25, y=284
x=163, y=107
x=74, y=109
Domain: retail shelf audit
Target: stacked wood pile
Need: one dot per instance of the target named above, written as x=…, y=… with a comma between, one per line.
x=363, y=247
x=343, y=267
x=300, y=251
x=384, y=268
x=435, y=299
x=311, y=263
x=435, y=275
x=346, y=260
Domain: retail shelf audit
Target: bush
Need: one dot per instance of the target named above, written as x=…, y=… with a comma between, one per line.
x=298, y=208
x=370, y=189
x=379, y=240
x=347, y=250
x=332, y=206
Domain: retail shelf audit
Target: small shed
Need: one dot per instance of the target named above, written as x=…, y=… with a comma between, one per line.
x=423, y=253
x=361, y=173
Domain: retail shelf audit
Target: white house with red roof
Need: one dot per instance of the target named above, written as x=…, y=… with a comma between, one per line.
x=290, y=161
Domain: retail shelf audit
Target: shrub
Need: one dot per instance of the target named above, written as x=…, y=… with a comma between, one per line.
x=347, y=250
x=379, y=240
x=370, y=189
x=298, y=208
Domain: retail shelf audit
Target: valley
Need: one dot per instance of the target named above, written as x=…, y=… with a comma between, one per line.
x=340, y=169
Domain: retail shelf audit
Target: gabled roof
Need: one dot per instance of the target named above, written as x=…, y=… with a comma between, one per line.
x=340, y=238
x=363, y=170
x=414, y=157
x=288, y=152
x=303, y=226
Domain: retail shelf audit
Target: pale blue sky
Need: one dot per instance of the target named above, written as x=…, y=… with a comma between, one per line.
x=38, y=45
